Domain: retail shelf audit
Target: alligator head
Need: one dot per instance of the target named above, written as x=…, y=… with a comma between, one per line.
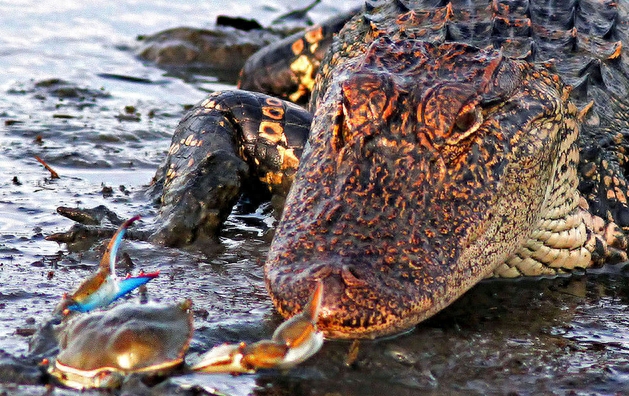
x=427, y=167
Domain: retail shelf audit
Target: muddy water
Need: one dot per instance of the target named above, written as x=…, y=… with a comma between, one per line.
x=74, y=93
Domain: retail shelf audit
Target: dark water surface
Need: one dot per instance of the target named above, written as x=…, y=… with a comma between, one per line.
x=62, y=99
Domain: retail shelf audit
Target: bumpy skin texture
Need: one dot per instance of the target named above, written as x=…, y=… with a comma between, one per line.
x=226, y=142
x=433, y=164
x=450, y=142
x=288, y=67
x=407, y=201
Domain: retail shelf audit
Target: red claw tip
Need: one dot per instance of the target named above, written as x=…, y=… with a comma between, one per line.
x=130, y=221
x=154, y=274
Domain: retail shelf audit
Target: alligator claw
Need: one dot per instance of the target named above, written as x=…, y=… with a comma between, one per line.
x=81, y=232
x=104, y=286
x=91, y=224
x=93, y=216
x=294, y=341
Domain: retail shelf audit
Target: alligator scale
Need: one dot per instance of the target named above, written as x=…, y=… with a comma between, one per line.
x=446, y=142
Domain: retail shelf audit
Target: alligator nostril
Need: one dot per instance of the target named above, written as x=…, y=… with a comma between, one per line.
x=350, y=278
x=321, y=272
x=338, y=140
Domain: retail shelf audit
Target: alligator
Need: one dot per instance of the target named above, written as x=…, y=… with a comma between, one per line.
x=445, y=142
x=227, y=46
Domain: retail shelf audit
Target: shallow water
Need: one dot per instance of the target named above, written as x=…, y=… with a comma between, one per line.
x=559, y=336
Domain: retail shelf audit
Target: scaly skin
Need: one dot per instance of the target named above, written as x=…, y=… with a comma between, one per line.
x=430, y=164
x=407, y=195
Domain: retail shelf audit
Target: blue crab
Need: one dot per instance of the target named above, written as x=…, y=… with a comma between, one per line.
x=99, y=349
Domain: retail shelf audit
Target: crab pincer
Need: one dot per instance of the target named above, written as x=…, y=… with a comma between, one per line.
x=104, y=287
x=294, y=341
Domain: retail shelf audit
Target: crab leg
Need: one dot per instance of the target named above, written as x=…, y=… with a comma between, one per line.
x=104, y=287
x=294, y=341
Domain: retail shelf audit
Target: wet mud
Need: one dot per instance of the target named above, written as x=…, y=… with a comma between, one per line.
x=82, y=101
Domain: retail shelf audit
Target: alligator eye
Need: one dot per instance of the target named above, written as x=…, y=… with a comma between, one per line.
x=466, y=120
x=466, y=123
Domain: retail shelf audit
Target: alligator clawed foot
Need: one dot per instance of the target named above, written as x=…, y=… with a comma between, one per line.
x=93, y=216
x=81, y=233
x=617, y=243
x=104, y=286
x=607, y=242
x=294, y=341
x=90, y=226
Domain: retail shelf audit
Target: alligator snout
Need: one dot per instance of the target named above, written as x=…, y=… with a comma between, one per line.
x=357, y=302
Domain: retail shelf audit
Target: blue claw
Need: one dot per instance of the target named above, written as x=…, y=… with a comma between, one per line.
x=133, y=282
x=104, y=286
x=110, y=290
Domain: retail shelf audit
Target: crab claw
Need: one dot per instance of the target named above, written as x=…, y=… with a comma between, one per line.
x=300, y=333
x=104, y=286
x=110, y=290
x=225, y=358
x=294, y=341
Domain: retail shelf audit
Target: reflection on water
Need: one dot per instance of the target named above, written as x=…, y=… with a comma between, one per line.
x=97, y=130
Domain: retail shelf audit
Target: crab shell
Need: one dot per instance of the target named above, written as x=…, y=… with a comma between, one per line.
x=99, y=349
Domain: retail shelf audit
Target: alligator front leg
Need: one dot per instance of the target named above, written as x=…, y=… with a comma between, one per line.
x=225, y=142
x=560, y=244
x=568, y=234
x=224, y=146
